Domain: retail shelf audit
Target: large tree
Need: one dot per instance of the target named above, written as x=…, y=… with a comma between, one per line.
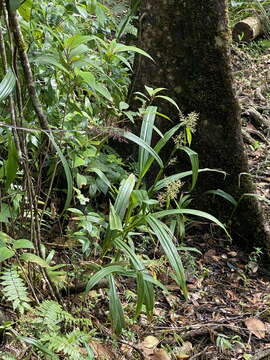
x=189, y=41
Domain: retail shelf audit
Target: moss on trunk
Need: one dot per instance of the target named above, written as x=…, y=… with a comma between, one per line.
x=189, y=41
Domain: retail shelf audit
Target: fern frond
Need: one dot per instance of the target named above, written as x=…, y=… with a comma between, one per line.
x=14, y=289
x=50, y=314
x=68, y=344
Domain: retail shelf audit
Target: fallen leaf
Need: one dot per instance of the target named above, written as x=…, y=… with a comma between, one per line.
x=184, y=351
x=150, y=342
x=160, y=354
x=148, y=345
x=256, y=327
x=100, y=351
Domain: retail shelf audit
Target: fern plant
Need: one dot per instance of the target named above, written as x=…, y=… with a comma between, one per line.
x=14, y=289
x=54, y=331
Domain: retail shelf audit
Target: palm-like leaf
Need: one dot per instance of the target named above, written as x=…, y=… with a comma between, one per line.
x=165, y=237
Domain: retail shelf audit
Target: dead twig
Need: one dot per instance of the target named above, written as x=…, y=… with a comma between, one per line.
x=261, y=354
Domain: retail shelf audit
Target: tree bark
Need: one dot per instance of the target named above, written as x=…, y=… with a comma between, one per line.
x=189, y=41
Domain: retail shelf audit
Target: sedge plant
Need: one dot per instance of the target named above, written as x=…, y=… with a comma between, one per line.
x=136, y=209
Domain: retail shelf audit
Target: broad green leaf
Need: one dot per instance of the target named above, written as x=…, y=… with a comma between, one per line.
x=75, y=211
x=5, y=238
x=104, y=272
x=7, y=85
x=125, y=61
x=170, y=100
x=12, y=164
x=152, y=92
x=146, y=134
x=78, y=50
x=76, y=40
x=25, y=9
x=50, y=60
x=81, y=180
x=101, y=175
x=122, y=47
x=165, y=238
x=5, y=253
x=123, y=105
x=132, y=137
x=67, y=172
x=23, y=244
x=100, y=88
x=223, y=194
x=116, y=310
x=34, y=259
x=88, y=77
x=78, y=161
x=122, y=199
x=114, y=220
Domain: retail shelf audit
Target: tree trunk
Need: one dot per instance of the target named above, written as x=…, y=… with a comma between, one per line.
x=189, y=41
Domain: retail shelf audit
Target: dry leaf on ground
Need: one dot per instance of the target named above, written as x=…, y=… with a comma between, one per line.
x=184, y=351
x=100, y=352
x=256, y=327
x=148, y=345
x=160, y=354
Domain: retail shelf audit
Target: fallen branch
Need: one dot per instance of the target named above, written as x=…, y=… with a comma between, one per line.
x=258, y=119
x=247, y=29
x=261, y=354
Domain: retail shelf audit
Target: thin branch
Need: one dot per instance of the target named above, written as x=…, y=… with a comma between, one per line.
x=20, y=44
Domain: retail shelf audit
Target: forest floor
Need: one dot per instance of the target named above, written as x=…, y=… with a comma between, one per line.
x=227, y=315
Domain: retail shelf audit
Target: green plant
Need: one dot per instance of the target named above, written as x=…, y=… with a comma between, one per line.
x=54, y=331
x=14, y=289
x=225, y=343
x=135, y=208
